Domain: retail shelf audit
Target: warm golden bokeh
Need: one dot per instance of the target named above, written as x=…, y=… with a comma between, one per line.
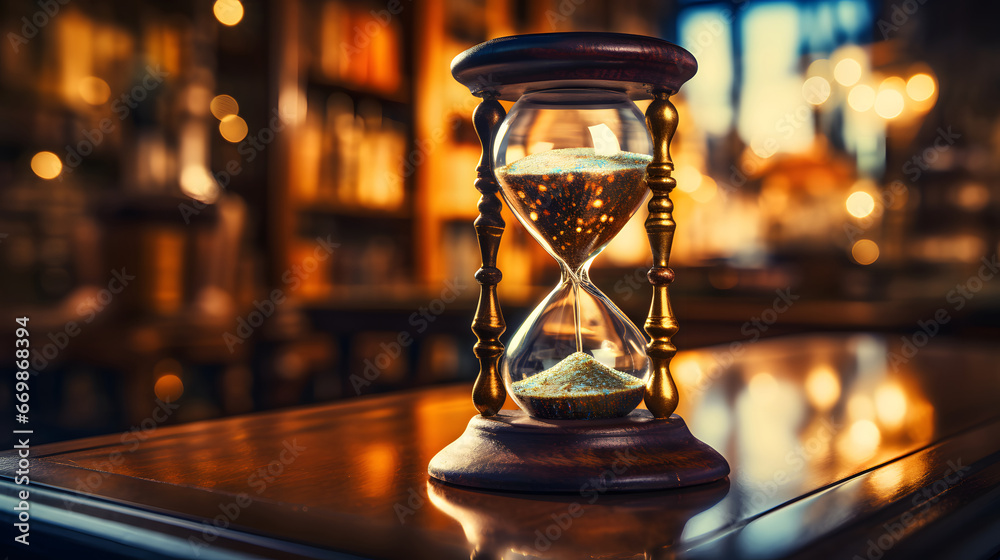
x=233, y=128
x=94, y=90
x=847, y=72
x=861, y=98
x=223, y=106
x=46, y=165
x=865, y=251
x=823, y=387
x=889, y=103
x=920, y=87
x=890, y=405
x=169, y=388
x=816, y=90
x=228, y=12
x=860, y=204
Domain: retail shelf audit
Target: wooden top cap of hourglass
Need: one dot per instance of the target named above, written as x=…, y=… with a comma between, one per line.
x=637, y=65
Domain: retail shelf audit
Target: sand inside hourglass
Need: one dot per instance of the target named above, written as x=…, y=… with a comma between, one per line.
x=579, y=387
x=574, y=202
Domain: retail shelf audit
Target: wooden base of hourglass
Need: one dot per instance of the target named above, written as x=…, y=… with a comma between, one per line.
x=511, y=451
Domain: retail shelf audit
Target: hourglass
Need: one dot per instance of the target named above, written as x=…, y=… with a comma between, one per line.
x=574, y=159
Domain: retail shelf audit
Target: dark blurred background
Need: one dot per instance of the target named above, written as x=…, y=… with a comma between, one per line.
x=237, y=206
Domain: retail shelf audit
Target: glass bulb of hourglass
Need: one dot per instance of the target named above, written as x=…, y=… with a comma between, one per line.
x=571, y=164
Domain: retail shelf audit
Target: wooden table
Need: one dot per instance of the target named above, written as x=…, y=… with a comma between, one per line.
x=839, y=449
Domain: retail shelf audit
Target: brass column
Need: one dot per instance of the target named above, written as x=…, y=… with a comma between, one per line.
x=488, y=394
x=661, y=393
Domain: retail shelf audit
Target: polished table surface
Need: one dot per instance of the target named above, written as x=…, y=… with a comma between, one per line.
x=841, y=446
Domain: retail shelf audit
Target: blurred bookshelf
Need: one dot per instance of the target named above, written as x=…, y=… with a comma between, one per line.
x=383, y=161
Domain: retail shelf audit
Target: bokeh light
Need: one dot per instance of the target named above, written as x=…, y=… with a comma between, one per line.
x=860, y=407
x=920, y=87
x=893, y=82
x=823, y=387
x=688, y=178
x=688, y=372
x=228, y=12
x=763, y=386
x=860, y=204
x=169, y=388
x=972, y=196
x=224, y=105
x=94, y=90
x=861, y=98
x=847, y=72
x=46, y=165
x=889, y=103
x=862, y=439
x=706, y=190
x=816, y=90
x=865, y=251
x=233, y=128
x=199, y=184
x=820, y=67
x=890, y=405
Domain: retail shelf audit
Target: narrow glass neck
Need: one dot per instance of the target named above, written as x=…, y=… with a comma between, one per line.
x=581, y=274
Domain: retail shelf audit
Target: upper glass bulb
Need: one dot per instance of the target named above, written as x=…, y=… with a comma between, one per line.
x=571, y=164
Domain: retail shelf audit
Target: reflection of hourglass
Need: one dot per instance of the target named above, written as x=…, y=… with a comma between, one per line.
x=574, y=161
x=570, y=526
